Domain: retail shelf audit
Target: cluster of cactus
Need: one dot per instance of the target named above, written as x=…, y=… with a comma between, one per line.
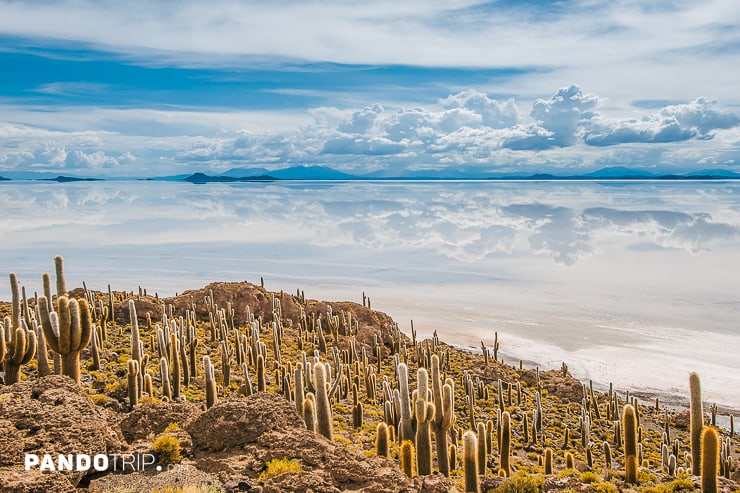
x=341, y=368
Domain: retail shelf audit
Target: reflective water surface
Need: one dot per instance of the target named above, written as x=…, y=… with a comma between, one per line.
x=633, y=282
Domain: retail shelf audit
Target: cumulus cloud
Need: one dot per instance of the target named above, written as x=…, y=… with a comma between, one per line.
x=674, y=123
x=469, y=130
x=492, y=113
x=557, y=120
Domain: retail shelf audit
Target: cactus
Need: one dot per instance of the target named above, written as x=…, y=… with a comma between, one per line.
x=569, y=461
x=299, y=388
x=309, y=412
x=357, y=415
x=209, y=372
x=68, y=331
x=324, y=421
x=135, y=338
x=2, y=345
x=548, y=461
x=506, y=443
x=16, y=302
x=696, y=421
x=133, y=382
x=424, y=411
x=444, y=415
x=709, y=465
x=607, y=455
x=629, y=426
x=452, y=454
x=382, y=440
x=261, y=383
x=407, y=456
x=61, y=283
x=21, y=347
x=164, y=371
x=405, y=429
x=470, y=462
x=175, y=358
x=482, y=452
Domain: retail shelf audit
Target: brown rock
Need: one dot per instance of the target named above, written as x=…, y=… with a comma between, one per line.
x=231, y=425
x=18, y=480
x=52, y=415
x=152, y=417
x=682, y=420
x=344, y=469
x=437, y=483
x=176, y=476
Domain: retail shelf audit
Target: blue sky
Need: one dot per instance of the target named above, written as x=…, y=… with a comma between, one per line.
x=154, y=88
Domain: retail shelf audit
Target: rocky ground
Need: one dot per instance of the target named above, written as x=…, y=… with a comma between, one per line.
x=229, y=446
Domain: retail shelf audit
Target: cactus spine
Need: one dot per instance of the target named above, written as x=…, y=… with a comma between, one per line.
x=696, y=421
x=506, y=443
x=325, y=425
x=629, y=425
x=709, y=460
x=470, y=462
x=382, y=440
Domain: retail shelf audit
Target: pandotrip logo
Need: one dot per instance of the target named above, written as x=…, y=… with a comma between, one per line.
x=85, y=462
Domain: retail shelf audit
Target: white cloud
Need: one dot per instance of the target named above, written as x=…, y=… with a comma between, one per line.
x=674, y=123
x=566, y=132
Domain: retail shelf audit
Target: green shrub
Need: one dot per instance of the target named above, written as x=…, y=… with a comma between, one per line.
x=167, y=449
x=521, y=482
x=277, y=467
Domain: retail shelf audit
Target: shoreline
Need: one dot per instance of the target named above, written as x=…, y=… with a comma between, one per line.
x=675, y=403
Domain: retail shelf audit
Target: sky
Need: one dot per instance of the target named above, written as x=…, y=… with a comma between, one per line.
x=154, y=88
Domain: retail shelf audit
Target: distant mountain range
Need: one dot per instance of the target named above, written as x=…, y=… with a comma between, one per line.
x=326, y=173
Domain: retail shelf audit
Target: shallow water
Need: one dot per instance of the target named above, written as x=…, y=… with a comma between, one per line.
x=633, y=282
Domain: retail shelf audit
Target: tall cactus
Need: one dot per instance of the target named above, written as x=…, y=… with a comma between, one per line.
x=696, y=421
x=325, y=425
x=164, y=372
x=135, y=337
x=470, y=462
x=405, y=428
x=21, y=344
x=444, y=415
x=709, y=460
x=506, y=443
x=133, y=382
x=382, y=440
x=67, y=331
x=407, y=456
x=548, y=461
x=209, y=373
x=309, y=411
x=61, y=283
x=629, y=425
x=482, y=451
x=424, y=415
